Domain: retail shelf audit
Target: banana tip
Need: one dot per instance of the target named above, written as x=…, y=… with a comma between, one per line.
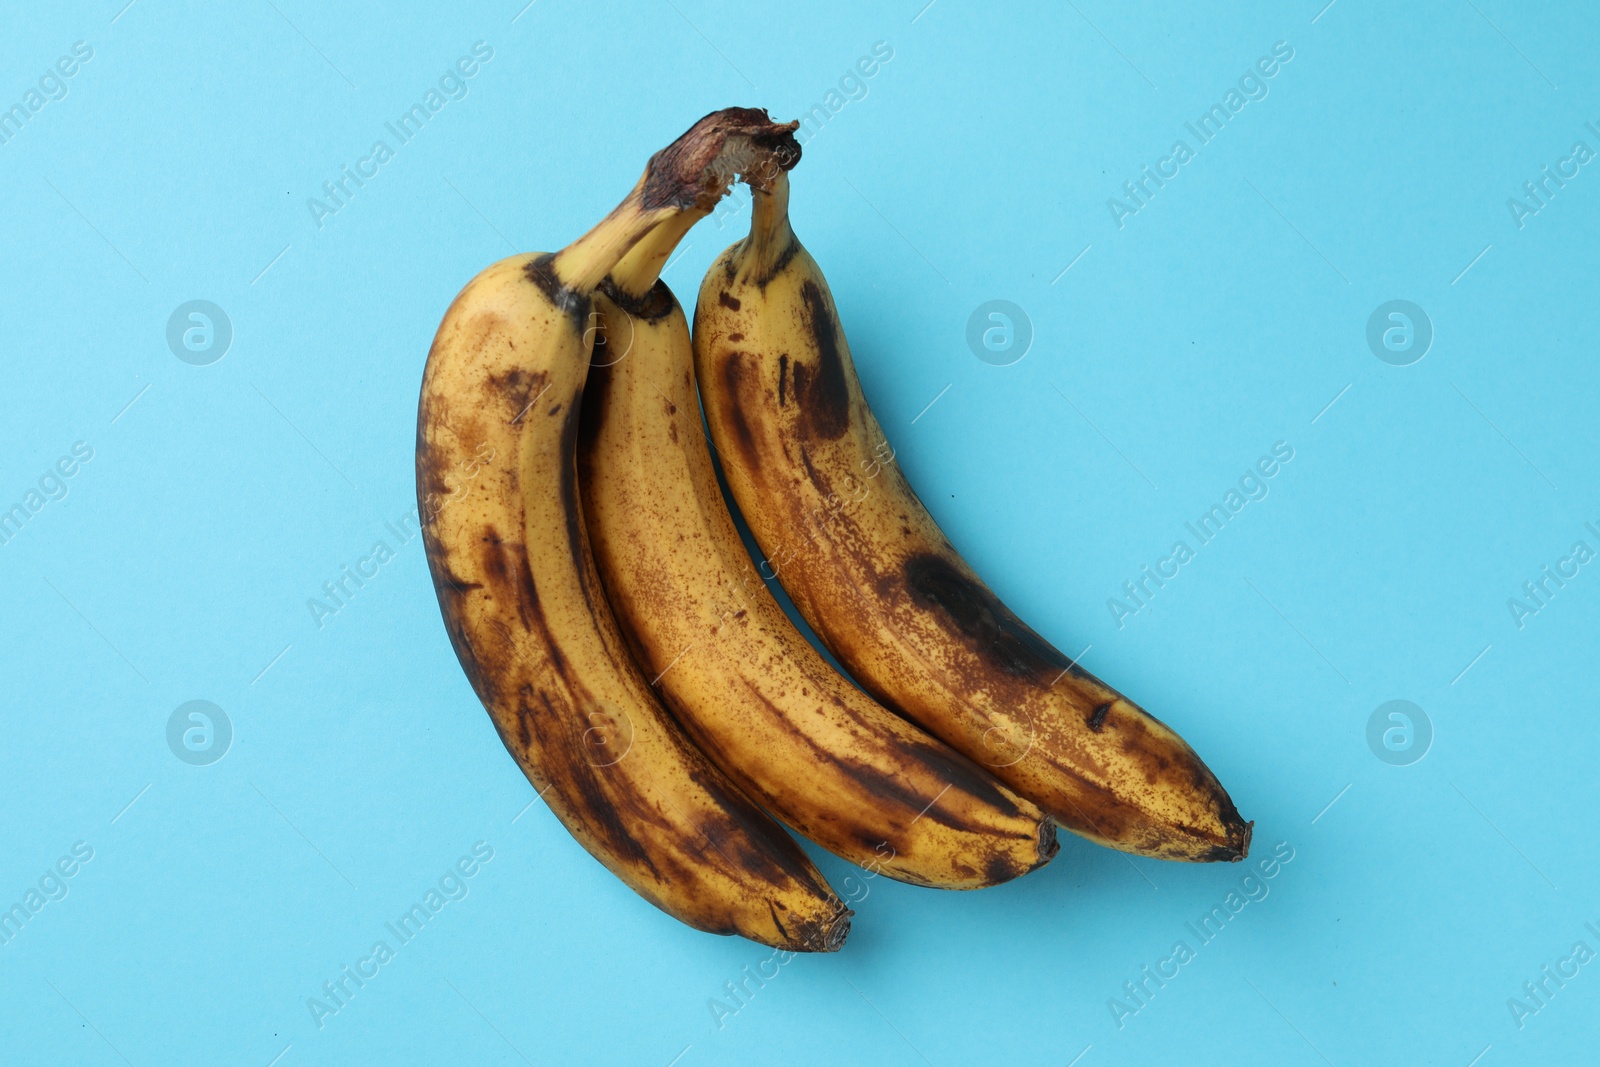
x=1049, y=843
x=829, y=935
x=1243, y=839
x=1238, y=846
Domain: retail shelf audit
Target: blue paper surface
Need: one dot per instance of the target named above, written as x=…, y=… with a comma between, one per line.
x=1101, y=267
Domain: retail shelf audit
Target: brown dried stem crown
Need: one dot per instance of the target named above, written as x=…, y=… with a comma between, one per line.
x=689, y=175
x=697, y=168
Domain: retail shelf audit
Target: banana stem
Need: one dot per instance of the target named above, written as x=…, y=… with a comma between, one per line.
x=681, y=183
x=583, y=264
x=770, y=233
x=638, y=271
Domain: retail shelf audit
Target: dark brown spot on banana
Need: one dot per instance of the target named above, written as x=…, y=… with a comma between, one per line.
x=822, y=391
x=454, y=584
x=432, y=486
x=1001, y=868
x=570, y=506
x=1097, y=718
x=729, y=301
x=655, y=304
x=734, y=375
x=957, y=772
x=967, y=778
x=765, y=277
x=524, y=726
x=519, y=387
x=540, y=271
x=897, y=802
x=601, y=812
x=974, y=612
x=505, y=565
x=492, y=560
x=755, y=829
x=1223, y=854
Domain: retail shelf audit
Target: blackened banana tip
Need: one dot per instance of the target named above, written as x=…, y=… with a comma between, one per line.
x=1049, y=843
x=831, y=935
x=1243, y=837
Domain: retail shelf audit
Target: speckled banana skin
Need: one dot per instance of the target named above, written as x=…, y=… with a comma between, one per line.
x=884, y=589
x=748, y=688
x=496, y=481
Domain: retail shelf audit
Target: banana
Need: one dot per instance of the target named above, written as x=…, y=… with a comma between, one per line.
x=496, y=433
x=809, y=468
x=749, y=690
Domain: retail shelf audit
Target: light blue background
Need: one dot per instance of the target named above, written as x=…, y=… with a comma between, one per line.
x=1223, y=317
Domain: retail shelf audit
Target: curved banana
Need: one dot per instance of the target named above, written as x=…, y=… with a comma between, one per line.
x=746, y=686
x=496, y=433
x=872, y=573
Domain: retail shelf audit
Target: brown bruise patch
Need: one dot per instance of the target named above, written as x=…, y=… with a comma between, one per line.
x=759, y=845
x=447, y=439
x=734, y=378
x=972, y=610
x=1002, y=868
x=896, y=801
x=519, y=387
x=729, y=301
x=961, y=776
x=611, y=808
x=430, y=478
x=968, y=778
x=508, y=574
x=1149, y=755
x=822, y=391
x=612, y=811
x=451, y=582
x=609, y=816
x=452, y=589
x=783, y=374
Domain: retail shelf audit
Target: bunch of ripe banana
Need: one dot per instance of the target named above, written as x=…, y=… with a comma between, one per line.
x=609, y=617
